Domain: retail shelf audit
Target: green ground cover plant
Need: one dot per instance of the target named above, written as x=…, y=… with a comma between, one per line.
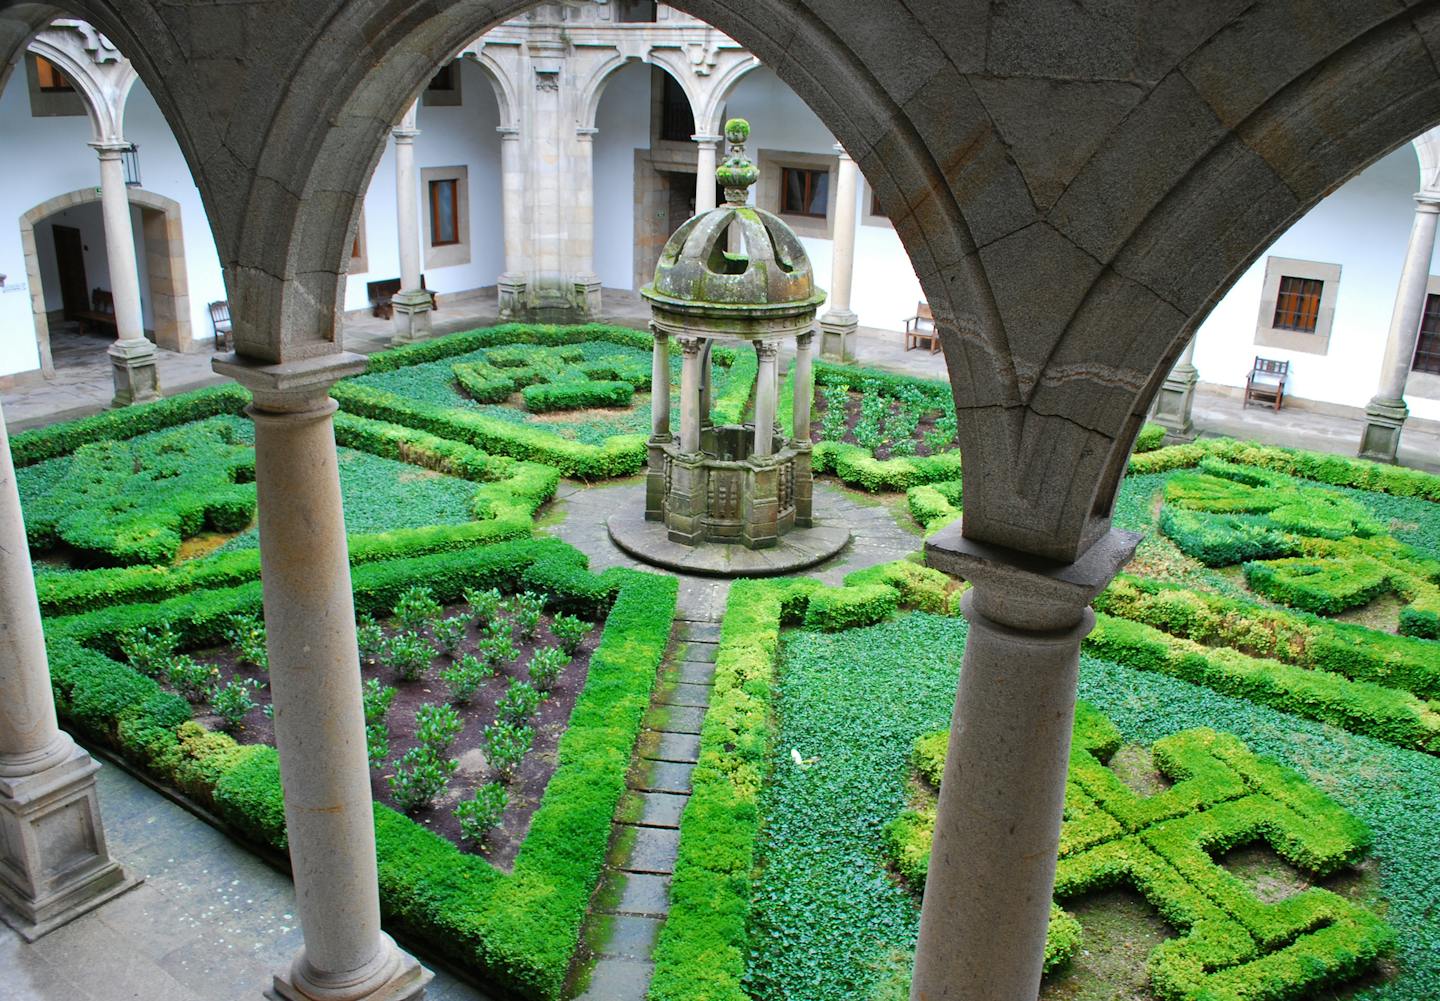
x=519, y=929
x=851, y=704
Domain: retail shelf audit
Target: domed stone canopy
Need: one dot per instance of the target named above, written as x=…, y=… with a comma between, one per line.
x=766, y=289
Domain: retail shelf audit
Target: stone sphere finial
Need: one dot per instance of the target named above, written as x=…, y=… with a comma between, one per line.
x=737, y=173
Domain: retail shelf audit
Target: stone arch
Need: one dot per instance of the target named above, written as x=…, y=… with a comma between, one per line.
x=164, y=258
x=501, y=79
x=707, y=117
x=104, y=93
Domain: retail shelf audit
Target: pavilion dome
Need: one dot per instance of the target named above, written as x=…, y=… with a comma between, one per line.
x=770, y=271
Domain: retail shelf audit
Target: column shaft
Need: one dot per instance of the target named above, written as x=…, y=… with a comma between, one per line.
x=997, y=831
x=660, y=386
x=30, y=737
x=707, y=382
x=580, y=220
x=842, y=268
x=120, y=243
x=407, y=202
x=690, y=395
x=1409, y=304
x=765, y=394
x=315, y=682
x=706, y=148
x=513, y=284
x=803, y=377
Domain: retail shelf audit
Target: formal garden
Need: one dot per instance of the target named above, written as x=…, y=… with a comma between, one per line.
x=1251, y=809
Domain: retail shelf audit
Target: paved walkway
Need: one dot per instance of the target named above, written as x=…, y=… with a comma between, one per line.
x=211, y=922
x=634, y=893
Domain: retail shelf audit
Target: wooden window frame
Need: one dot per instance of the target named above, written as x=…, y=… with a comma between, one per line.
x=1297, y=304
x=808, y=195
x=64, y=87
x=1269, y=333
x=1428, y=344
x=435, y=227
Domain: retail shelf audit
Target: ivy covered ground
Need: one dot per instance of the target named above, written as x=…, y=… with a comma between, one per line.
x=831, y=920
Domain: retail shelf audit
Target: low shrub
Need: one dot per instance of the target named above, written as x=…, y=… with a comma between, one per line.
x=1324, y=586
x=420, y=778
x=1151, y=437
x=857, y=467
x=481, y=814
x=548, y=397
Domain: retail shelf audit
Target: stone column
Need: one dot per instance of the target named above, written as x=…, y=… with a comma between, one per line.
x=690, y=394
x=707, y=383
x=706, y=151
x=512, y=284
x=659, y=426
x=411, y=303
x=997, y=830
x=1386, y=414
x=315, y=681
x=581, y=219
x=132, y=357
x=838, y=325
x=766, y=391
x=54, y=865
x=1177, y=396
x=800, y=441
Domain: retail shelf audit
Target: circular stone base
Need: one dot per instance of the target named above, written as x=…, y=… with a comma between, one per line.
x=797, y=549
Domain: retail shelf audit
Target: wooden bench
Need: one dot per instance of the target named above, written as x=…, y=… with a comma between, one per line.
x=921, y=327
x=382, y=293
x=1266, y=382
x=220, y=322
x=101, y=312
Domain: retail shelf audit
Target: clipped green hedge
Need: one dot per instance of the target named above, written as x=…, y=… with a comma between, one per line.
x=1151, y=437
x=702, y=949
x=552, y=396
x=1324, y=586
x=1387, y=714
x=30, y=447
x=935, y=505
x=1297, y=638
x=859, y=468
x=520, y=929
x=619, y=456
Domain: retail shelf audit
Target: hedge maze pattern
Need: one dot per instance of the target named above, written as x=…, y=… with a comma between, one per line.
x=1231, y=945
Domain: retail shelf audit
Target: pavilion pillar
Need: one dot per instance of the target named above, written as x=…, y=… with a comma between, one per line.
x=659, y=425
x=512, y=284
x=766, y=390
x=1176, y=398
x=838, y=324
x=707, y=383
x=800, y=420
x=690, y=394
x=412, y=303
x=132, y=357
x=315, y=681
x=54, y=864
x=585, y=282
x=684, y=507
x=706, y=150
x=997, y=830
x=1386, y=414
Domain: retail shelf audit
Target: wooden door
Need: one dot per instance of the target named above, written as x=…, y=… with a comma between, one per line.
x=70, y=260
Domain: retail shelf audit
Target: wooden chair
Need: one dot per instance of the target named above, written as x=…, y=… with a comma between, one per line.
x=101, y=312
x=921, y=327
x=382, y=293
x=1266, y=382
x=220, y=321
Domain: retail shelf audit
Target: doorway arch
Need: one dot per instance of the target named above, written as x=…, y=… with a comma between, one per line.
x=164, y=264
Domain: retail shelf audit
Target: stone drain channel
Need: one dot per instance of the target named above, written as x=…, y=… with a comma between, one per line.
x=634, y=893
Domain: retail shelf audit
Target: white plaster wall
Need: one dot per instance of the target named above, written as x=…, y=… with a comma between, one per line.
x=1364, y=227
x=41, y=158
x=449, y=137
x=623, y=121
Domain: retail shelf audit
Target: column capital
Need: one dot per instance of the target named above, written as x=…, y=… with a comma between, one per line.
x=766, y=350
x=508, y=133
x=705, y=140
x=840, y=152
x=293, y=387
x=402, y=135
x=1425, y=201
x=110, y=149
x=1025, y=592
x=586, y=133
x=689, y=345
x=806, y=339
x=658, y=333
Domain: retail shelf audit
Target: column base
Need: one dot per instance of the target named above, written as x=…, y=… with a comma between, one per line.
x=837, y=335
x=586, y=295
x=136, y=378
x=54, y=865
x=1384, y=419
x=512, y=289
x=412, y=316
x=394, y=975
x=1174, y=402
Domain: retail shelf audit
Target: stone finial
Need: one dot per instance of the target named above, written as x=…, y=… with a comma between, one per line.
x=737, y=173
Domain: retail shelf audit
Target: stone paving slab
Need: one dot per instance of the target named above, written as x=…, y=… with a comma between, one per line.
x=676, y=747
x=666, y=777
x=676, y=719
x=654, y=851
x=685, y=693
x=649, y=541
x=700, y=652
x=644, y=893
x=697, y=673
x=632, y=936
x=618, y=980
x=706, y=632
